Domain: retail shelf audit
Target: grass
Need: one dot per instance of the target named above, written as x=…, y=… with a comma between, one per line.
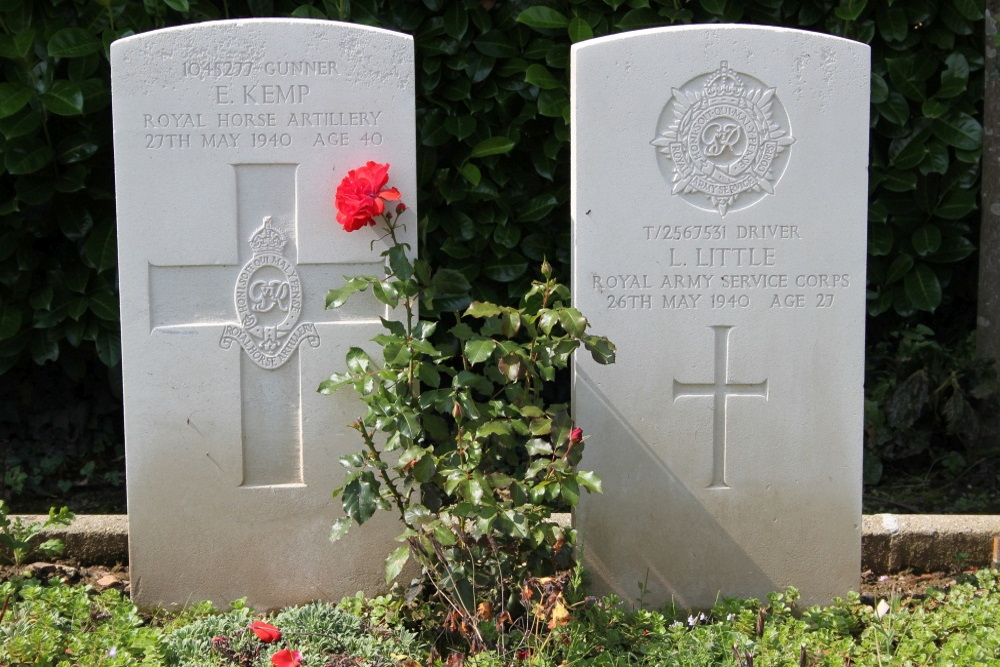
x=51, y=623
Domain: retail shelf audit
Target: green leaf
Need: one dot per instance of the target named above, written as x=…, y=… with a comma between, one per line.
x=850, y=10
x=361, y=497
x=907, y=152
x=13, y=98
x=495, y=427
x=589, y=480
x=880, y=240
x=336, y=298
x=880, y=90
x=340, y=528
x=493, y=146
x=456, y=20
x=19, y=124
x=570, y=491
x=923, y=288
x=26, y=158
x=105, y=306
x=63, y=98
x=959, y=130
x=957, y=204
x=904, y=79
x=399, y=263
x=926, y=240
x=507, y=269
x=639, y=18
x=955, y=78
x=10, y=322
x=600, y=348
x=358, y=361
x=898, y=269
x=109, y=348
x=183, y=6
x=100, y=250
x=304, y=12
x=497, y=44
x=73, y=43
x=395, y=562
x=424, y=469
x=895, y=109
x=543, y=17
x=478, y=351
x=538, y=207
x=579, y=30
x=539, y=75
x=892, y=23
x=448, y=282
x=573, y=321
x=970, y=9
x=471, y=173
x=17, y=46
x=538, y=447
x=953, y=249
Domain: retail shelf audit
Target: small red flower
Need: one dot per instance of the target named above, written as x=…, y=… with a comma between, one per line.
x=360, y=196
x=576, y=435
x=286, y=658
x=266, y=632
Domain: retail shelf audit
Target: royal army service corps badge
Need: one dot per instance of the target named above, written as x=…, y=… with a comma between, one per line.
x=723, y=140
x=269, y=303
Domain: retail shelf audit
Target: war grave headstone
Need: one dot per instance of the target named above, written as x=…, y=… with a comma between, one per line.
x=230, y=140
x=719, y=218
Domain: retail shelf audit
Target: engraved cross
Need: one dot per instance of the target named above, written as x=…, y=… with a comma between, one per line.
x=720, y=389
x=228, y=299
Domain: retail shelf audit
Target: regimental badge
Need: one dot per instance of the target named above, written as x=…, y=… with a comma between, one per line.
x=269, y=303
x=723, y=140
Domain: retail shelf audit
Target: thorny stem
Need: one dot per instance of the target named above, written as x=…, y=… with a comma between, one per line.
x=397, y=498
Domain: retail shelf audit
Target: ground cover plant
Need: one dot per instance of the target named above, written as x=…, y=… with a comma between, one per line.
x=50, y=623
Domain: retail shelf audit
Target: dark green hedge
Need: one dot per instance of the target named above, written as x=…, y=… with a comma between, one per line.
x=494, y=154
x=493, y=131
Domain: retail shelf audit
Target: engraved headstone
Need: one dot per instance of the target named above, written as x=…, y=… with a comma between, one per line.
x=230, y=140
x=719, y=220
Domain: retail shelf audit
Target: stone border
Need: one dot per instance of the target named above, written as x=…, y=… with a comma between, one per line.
x=890, y=542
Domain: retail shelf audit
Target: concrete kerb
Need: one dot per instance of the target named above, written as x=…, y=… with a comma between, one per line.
x=890, y=542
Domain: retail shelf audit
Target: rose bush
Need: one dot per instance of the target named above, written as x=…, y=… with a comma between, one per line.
x=459, y=438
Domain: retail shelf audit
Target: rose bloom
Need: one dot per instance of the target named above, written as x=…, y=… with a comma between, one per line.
x=266, y=632
x=576, y=435
x=286, y=658
x=360, y=196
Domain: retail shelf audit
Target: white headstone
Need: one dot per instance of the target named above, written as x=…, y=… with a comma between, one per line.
x=719, y=211
x=230, y=140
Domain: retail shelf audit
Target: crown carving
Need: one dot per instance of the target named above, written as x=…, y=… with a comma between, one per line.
x=724, y=81
x=267, y=238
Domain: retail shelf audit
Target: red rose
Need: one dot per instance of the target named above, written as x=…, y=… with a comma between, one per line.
x=286, y=658
x=266, y=632
x=576, y=435
x=360, y=196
